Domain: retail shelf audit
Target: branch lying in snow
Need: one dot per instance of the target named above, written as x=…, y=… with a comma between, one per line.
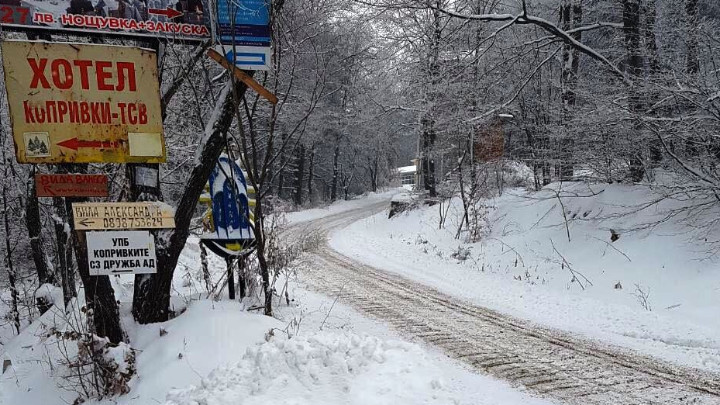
x=572, y=271
x=332, y=306
x=517, y=254
x=562, y=209
x=610, y=245
x=546, y=25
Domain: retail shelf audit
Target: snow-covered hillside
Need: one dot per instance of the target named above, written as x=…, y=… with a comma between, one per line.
x=653, y=287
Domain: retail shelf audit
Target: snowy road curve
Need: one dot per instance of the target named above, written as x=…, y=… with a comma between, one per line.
x=549, y=363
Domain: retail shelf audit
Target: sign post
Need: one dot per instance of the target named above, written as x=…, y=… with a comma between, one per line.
x=122, y=215
x=78, y=103
x=232, y=221
x=121, y=252
x=71, y=185
x=243, y=30
x=177, y=19
x=242, y=76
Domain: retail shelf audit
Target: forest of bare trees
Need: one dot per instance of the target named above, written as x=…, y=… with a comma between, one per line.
x=602, y=90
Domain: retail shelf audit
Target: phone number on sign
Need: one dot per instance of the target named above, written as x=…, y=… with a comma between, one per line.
x=110, y=223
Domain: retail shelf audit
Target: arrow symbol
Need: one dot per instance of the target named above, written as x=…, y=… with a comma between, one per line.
x=86, y=222
x=168, y=12
x=48, y=190
x=74, y=144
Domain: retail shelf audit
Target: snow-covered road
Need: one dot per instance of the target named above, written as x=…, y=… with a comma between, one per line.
x=551, y=363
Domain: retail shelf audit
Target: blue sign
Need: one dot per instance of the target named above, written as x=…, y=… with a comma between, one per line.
x=245, y=26
x=233, y=229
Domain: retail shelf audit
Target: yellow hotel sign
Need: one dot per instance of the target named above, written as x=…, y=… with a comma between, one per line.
x=122, y=215
x=77, y=103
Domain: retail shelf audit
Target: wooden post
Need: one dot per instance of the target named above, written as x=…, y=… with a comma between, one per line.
x=144, y=183
x=242, y=282
x=230, y=277
x=99, y=294
x=242, y=76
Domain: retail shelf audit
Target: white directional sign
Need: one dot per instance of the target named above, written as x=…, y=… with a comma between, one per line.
x=122, y=215
x=121, y=252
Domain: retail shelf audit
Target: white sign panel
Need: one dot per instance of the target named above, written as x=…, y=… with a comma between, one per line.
x=121, y=252
x=146, y=176
x=247, y=57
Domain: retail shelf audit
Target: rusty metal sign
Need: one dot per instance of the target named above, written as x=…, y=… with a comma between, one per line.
x=122, y=215
x=71, y=185
x=79, y=103
x=176, y=19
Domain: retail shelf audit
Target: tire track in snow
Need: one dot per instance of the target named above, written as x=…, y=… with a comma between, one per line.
x=550, y=363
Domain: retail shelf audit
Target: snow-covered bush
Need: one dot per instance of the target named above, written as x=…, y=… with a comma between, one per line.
x=94, y=367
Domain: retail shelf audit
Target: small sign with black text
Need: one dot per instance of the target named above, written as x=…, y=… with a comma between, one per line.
x=121, y=252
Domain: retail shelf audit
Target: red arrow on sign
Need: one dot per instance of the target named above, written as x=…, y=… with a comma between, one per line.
x=168, y=12
x=74, y=144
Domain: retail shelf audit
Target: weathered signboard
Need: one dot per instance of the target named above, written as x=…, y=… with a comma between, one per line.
x=187, y=20
x=122, y=215
x=121, y=252
x=242, y=76
x=243, y=29
x=83, y=103
x=71, y=185
x=146, y=176
x=232, y=222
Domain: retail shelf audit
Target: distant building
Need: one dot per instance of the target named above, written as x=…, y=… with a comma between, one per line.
x=409, y=178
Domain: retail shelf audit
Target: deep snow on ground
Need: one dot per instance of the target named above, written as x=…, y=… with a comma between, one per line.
x=516, y=270
x=219, y=353
x=350, y=361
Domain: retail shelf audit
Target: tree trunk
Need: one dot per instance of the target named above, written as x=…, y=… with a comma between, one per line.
x=691, y=12
x=427, y=122
x=336, y=158
x=204, y=267
x=650, y=14
x=311, y=165
x=651, y=49
x=34, y=227
x=428, y=163
x=143, y=192
x=152, y=300
x=570, y=16
x=63, y=241
x=230, y=277
x=281, y=170
x=631, y=27
x=14, y=296
x=299, y=174
x=99, y=294
x=260, y=253
x=242, y=282
x=64, y=256
x=373, y=173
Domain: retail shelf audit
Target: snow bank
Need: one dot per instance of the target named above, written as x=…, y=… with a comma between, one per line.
x=36, y=373
x=459, y=384
x=520, y=266
x=179, y=352
x=324, y=369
